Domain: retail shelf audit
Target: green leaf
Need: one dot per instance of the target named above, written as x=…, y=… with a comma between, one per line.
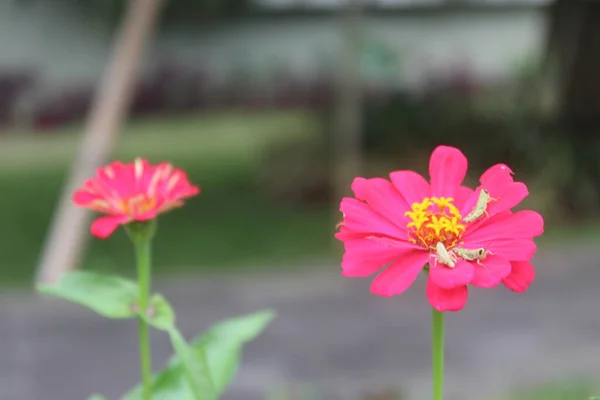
x=160, y=313
x=110, y=296
x=169, y=384
x=220, y=346
x=193, y=360
x=223, y=343
x=173, y=383
x=194, y=365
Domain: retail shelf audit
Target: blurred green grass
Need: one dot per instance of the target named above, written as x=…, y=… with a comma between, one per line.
x=230, y=223
x=568, y=389
x=576, y=389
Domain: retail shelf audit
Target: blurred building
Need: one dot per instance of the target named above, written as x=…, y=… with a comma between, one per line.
x=50, y=55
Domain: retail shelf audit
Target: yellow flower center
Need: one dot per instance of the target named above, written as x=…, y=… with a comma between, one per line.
x=137, y=204
x=435, y=220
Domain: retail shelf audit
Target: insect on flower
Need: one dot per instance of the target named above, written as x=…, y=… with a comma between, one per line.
x=480, y=207
x=443, y=256
x=401, y=223
x=471, y=255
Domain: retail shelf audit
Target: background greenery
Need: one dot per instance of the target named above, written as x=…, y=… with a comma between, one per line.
x=221, y=153
x=264, y=202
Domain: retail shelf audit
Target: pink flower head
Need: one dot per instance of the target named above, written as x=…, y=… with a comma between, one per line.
x=130, y=192
x=466, y=236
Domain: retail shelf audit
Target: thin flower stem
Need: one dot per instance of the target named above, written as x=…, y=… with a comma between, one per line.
x=437, y=349
x=143, y=256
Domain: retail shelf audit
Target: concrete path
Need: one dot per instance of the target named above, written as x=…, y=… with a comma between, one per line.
x=330, y=333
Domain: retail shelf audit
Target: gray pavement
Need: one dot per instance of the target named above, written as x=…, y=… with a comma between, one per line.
x=330, y=334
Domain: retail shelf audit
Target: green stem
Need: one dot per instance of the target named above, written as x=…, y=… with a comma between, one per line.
x=143, y=256
x=437, y=349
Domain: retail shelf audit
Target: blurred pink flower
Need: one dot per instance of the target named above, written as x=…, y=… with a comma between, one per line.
x=400, y=223
x=130, y=192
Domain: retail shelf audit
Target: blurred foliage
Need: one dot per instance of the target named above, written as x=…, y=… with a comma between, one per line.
x=179, y=12
x=380, y=60
x=405, y=123
x=575, y=390
x=265, y=190
x=570, y=390
x=510, y=121
x=297, y=172
x=232, y=222
x=491, y=122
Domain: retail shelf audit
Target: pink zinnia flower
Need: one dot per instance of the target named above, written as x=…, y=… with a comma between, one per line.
x=130, y=192
x=409, y=222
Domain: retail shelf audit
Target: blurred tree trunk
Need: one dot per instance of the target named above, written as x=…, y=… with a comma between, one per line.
x=573, y=54
x=347, y=138
x=67, y=238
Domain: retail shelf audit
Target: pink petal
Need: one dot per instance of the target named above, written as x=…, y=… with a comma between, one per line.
x=396, y=278
x=381, y=195
x=119, y=177
x=520, y=225
x=446, y=299
x=145, y=216
x=395, y=243
x=470, y=202
x=82, y=198
x=497, y=175
x=509, y=249
x=447, y=170
x=359, y=217
x=521, y=276
x=412, y=186
x=491, y=271
x=103, y=227
x=508, y=197
x=345, y=233
x=177, y=186
x=183, y=191
x=463, y=194
x=364, y=257
x=138, y=188
x=503, y=198
x=498, y=181
x=447, y=277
